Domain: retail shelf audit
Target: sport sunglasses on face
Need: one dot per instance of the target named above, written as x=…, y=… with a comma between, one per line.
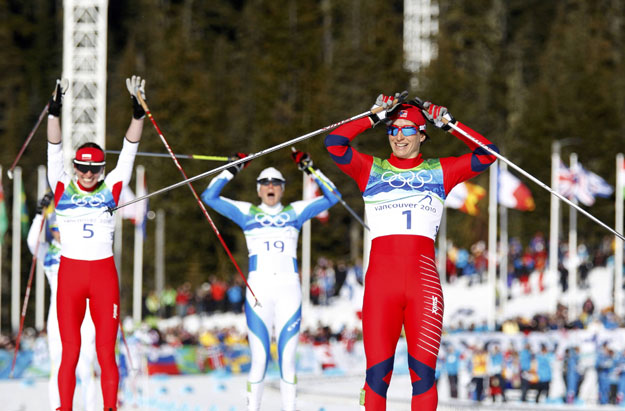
x=84, y=168
x=405, y=130
x=272, y=181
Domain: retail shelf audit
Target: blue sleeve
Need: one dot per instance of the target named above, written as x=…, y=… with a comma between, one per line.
x=310, y=208
x=230, y=209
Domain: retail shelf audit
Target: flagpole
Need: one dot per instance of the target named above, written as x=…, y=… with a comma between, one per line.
x=618, y=250
x=40, y=290
x=137, y=278
x=573, y=249
x=554, y=222
x=492, y=246
x=159, y=254
x=16, y=249
x=503, y=264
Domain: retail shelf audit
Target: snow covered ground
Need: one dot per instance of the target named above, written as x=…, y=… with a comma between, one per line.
x=227, y=393
x=330, y=391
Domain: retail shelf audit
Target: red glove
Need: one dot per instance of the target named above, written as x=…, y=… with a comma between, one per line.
x=302, y=159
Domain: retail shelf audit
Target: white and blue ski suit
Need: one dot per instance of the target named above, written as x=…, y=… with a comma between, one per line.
x=271, y=233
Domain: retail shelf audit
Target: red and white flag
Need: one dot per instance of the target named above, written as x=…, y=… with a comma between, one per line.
x=312, y=191
x=512, y=193
x=465, y=197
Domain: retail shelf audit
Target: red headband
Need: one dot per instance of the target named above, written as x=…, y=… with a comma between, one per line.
x=90, y=155
x=410, y=113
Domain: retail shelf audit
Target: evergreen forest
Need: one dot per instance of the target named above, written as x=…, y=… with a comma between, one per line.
x=227, y=76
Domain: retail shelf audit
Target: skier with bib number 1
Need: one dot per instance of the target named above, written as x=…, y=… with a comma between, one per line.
x=404, y=198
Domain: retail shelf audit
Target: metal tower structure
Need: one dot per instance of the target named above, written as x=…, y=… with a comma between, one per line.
x=84, y=65
x=420, y=26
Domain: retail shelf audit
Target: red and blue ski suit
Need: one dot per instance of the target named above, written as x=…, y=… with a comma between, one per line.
x=404, y=203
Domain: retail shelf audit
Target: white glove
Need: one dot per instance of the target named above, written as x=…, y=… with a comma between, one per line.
x=136, y=85
x=388, y=104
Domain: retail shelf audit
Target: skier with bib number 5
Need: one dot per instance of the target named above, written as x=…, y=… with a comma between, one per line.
x=87, y=271
x=404, y=198
x=271, y=232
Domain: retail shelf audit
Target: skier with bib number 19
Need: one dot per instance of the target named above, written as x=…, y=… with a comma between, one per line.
x=404, y=198
x=271, y=232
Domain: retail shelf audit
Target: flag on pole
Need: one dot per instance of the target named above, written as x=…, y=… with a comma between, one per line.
x=24, y=219
x=566, y=181
x=311, y=191
x=597, y=186
x=465, y=197
x=512, y=193
x=582, y=184
x=4, y=219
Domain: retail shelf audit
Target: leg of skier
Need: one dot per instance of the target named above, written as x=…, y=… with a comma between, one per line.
x=104, y=306
x=259, y=325
x=84, y=369
x=423, y=326
x=382, y=318
x=288, y=316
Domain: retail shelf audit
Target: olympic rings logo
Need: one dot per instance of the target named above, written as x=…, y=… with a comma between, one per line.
x=278, y=220
x=397, y=180
x=92, y=201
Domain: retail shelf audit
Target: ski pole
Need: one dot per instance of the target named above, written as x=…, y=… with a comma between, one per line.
x=30, y=137
x=185, y=156
x=528, y=175
x=64, y=84
x=26, y=298
x=337, y=195
x=347, y=207
x=197, y=198
x=248, y=158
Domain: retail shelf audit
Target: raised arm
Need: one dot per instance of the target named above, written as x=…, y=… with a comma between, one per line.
x=307, y=209
x=459, y=169
x=349, y=160
x=234, y=210
x=55, y=150
x=126, y=160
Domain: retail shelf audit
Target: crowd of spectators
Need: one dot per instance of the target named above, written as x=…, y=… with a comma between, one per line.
x=496, y=370
x=212, y=296
x=524, y=260
x=329, y=278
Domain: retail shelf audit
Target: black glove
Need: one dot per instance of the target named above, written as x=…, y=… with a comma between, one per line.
x=44, y=202
x=435, y=114
x=303, y=161
x=135, y=85
x=56, y=101
x=238, y=167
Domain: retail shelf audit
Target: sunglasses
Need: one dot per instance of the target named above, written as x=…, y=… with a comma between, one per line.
x=267, y=181
x=405, y=130
x=85, y=168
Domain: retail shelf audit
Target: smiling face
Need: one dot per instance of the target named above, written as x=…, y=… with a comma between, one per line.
x=271, y=194
x=405, y=146
x=88, y=180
